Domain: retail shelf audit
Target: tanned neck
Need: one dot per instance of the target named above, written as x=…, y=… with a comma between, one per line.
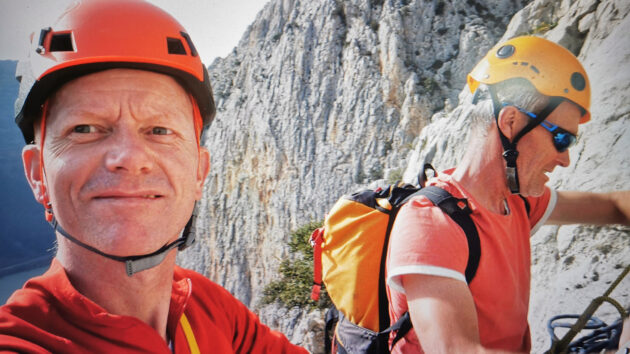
x=482, y=172
x=145, y=295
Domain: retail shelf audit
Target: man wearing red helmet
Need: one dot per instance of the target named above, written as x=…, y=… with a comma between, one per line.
x=538, y=95
x=112, y=104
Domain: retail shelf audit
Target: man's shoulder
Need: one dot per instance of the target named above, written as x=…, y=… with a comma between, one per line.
x=421, y=225
x=442, y=181
x=27, y=301
x=24, y=318
x=35, y=301
x=422, y=209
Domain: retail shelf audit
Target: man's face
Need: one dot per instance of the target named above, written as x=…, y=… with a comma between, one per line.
x=537, y=154
x=122, y=165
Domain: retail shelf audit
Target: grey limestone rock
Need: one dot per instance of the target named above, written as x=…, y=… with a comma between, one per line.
x=322, y=97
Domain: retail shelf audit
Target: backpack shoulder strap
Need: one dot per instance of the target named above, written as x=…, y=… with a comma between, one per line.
x=459, y=211
x=526, y=202
x=397, y=197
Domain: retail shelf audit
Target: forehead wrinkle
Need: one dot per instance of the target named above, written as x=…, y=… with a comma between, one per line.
x=139, y=103
x=159, y=110
x=112, y=92
x=64, y=103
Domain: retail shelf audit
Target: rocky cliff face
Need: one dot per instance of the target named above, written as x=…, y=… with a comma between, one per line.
x=321, y=97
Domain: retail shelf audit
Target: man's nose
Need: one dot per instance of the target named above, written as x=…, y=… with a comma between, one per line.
x=128, y=151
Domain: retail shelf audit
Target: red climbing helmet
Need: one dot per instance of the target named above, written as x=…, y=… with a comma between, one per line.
x=95, y=35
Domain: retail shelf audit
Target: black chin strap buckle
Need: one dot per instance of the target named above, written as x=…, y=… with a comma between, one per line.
x=512, y=179
x=510, y=157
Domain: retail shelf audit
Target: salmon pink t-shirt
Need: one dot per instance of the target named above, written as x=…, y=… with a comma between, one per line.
x=424, y=240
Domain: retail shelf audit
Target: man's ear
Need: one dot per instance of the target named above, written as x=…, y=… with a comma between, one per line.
x=509, y=123
x=33, y=172
x=203, y=168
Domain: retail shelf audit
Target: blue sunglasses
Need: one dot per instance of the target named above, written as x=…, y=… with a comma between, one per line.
x=562, y=139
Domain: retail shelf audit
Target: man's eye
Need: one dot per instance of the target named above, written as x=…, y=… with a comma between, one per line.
x=84, y=129
x=161, y=131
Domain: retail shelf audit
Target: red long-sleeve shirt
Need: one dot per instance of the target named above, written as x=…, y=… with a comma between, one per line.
x=49, y=315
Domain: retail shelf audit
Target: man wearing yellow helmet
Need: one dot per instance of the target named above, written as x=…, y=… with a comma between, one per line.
x=113, y=101
x=538, y=95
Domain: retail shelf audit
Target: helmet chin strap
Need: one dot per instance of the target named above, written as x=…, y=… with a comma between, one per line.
x=510, y=153
x=138, y=263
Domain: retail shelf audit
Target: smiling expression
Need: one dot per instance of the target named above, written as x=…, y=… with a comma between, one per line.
x=123, y=167
x=537, y=154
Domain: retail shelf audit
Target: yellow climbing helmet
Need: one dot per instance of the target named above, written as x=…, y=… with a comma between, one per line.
x=552, y=69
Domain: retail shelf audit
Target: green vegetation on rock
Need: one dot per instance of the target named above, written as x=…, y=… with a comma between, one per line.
x=294, y=287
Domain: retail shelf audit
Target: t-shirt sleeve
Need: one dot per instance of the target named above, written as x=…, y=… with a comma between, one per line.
x=424, y=240
x=541, y=208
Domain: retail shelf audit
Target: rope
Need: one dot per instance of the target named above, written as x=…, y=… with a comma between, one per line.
x=584, y=321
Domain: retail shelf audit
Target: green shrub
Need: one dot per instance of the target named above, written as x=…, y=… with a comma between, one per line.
x=296, y=275
x=429, y=84
x=376, y=172
x=395, y=176
x=542, y=28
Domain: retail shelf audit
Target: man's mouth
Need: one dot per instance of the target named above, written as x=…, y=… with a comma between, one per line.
x=123, y=196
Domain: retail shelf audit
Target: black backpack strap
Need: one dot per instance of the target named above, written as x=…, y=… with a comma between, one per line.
x=331, y=319
x=422, y=176
x=397, y=197
x=459, y=211
x=402, y=327
x=526, y=202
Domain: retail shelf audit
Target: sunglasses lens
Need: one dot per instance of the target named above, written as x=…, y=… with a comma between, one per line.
x=563, y=141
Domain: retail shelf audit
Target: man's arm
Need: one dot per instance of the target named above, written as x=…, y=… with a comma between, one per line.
x=591, y=208
x=624, y=339
x=443, y=314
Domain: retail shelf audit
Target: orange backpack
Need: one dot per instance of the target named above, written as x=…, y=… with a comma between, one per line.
x=349, y=256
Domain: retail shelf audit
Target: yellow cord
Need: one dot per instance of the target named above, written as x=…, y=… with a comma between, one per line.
x=190, y=336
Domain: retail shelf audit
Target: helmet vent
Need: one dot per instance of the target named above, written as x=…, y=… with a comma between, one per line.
x=193, y=50
x=61, y=42
x=175, y=46
x=577, y=81
x=505, y=51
